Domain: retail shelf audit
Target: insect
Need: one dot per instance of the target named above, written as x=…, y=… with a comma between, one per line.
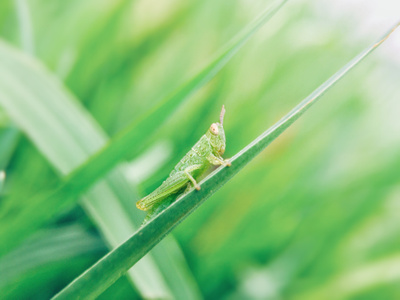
x=206, y=152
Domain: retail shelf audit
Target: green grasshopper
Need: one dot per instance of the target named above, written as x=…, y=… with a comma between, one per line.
x=206, y=152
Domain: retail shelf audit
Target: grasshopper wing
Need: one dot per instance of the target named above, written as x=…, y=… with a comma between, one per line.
x=170, y=186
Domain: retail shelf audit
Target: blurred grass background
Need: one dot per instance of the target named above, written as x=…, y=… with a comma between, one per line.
x=314, y=217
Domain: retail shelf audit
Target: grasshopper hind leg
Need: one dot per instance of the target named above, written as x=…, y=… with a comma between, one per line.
x=171, y=185
x=160, y=206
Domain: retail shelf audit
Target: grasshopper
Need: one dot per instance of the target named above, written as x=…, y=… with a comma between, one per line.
x=206, y=152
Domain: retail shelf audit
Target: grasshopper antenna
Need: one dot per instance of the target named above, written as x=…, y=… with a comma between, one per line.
x=221, y=116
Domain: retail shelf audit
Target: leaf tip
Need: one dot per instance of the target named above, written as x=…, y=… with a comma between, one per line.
x=387, y=35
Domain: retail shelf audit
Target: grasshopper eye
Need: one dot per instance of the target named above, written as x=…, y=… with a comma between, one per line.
x=214, y=129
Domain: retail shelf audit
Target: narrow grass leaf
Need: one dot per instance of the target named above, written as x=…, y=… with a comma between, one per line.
x=106, y=271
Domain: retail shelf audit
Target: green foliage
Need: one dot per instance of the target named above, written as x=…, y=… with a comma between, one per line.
x=99, y=277
x=105, y=89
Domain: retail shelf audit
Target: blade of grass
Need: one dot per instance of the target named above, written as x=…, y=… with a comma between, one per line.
x=106, y=271
x=131, y=140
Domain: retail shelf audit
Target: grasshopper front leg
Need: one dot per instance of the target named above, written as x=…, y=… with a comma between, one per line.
x=218, y=161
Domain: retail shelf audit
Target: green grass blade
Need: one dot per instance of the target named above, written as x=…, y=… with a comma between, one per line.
x=106, y=271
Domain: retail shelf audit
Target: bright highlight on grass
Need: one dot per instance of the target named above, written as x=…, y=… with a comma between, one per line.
x=2, y=178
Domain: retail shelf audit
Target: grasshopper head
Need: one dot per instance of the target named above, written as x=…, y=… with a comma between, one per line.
x=216, y=134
